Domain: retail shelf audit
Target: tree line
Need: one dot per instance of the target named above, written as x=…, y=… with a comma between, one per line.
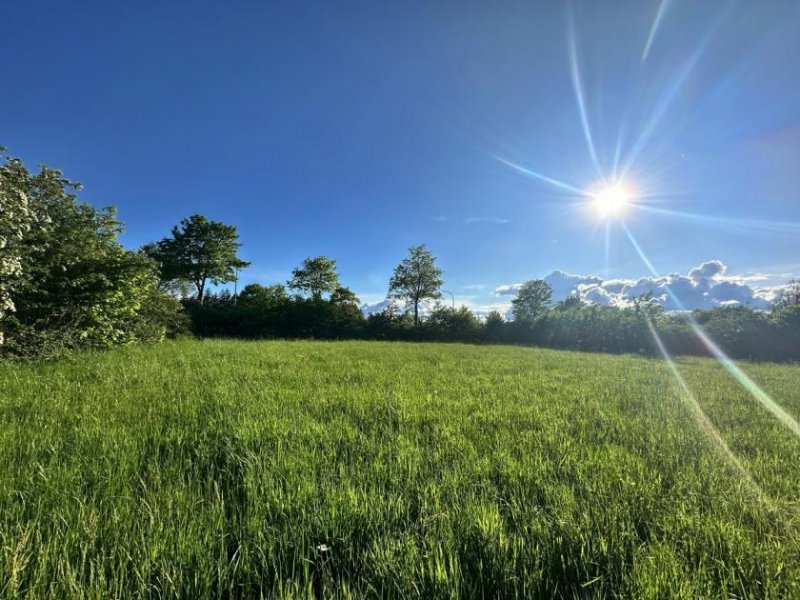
x=67, y=283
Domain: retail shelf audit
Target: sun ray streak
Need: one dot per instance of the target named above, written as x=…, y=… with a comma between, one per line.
x=618, y=151
x=577, y=85
x=755, y=224
x=660, y=109
x=727, y=363
x=639, y=251
x=671, y=93
x=554, y=182
x=694, y=406
x=745, y=381
x=662, y=8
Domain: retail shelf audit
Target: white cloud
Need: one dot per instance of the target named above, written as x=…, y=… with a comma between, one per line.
x=771, y=293
x=705, y=286
x=563, y=284
x=482, y=310
x=371, y=308
x=707, y=271
x=507, y=290
x=487, y=220
x=479, y=309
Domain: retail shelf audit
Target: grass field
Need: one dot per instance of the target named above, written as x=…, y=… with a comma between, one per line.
x=207, y=469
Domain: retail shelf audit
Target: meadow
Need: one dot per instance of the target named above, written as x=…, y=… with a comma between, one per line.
x=299, y=469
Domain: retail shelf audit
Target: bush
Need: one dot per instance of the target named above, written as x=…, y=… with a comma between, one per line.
x=74, y=285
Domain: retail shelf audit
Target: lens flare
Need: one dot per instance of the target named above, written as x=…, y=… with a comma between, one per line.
x=697, y=411
x=732, y=224
x=748, y=384
x=727, y=363
x=611, y=196
x=577, y=85
x=530, y=173
x=662, y=9
x=673, y=90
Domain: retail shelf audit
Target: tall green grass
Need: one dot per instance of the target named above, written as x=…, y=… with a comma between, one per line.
x=294, y=469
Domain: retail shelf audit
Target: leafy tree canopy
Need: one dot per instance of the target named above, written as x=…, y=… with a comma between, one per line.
x=344, y=295
x=532, y=298
x=72, y=283
x=15, y=221
x=416, y=278
x=317, y=276
x=789, y=296
x=199, y=251
x=261, y=296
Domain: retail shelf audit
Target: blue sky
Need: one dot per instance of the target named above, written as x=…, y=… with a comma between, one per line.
x=358, y=129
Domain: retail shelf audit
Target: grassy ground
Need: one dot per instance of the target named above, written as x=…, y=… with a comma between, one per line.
x=202, y=469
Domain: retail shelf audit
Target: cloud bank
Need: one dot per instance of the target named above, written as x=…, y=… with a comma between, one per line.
x=705, y=286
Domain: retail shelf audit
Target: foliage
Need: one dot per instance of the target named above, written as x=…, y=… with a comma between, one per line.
x=75, y=285
x=353, y=469
x=159, y=317
x=344, y=295
x=15, y=222
x=570, y=302
x=789, y=296
x=263, y=297
x=199, y=251
x=416, y=278
x=531, y=299
x=316, y=277
x=269, y=312
x=493, y=326
x=453, y=324
x=785, y=322
x=738, y=329
x=67, y=283
x=391, y=324
x=179, y=288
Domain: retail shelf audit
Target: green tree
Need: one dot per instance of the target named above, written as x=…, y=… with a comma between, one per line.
x=416, y=278
x=265, y=297
x=790, y=296
x=648, y=305
x=571, y=302
x=447, y=323
x=75, y=285
x=346, y=313
x=493, y=326
x=15, y=221
x=159, y=315
x=786, y=324
x=532, y=299
x=344, y=295
x=180, y=288
x=199, y=251
x=316, y=277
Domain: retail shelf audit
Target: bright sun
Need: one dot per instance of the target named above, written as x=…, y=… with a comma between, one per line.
x=611, y=198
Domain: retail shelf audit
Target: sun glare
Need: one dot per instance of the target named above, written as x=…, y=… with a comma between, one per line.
x=611, y=198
